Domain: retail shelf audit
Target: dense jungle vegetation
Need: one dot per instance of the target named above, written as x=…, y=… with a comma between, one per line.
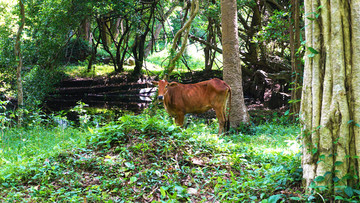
x=86, y=152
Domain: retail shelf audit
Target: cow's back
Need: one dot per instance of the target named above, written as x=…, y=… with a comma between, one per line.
x=195, y=98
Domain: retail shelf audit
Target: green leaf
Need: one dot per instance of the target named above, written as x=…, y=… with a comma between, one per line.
x=356, y=191
x=312, y=50
x=311, y=55
x=274, y=198
x=287, y=112
x=163, y=191
x=319, y=179
x=327, y=173
x=349, y=191
x=336, y=179
x=295, y=198
x=338, y=163
x=179, y=188
x=339, y=198
x=311, y=18
x=133, y=179
x=314, y=150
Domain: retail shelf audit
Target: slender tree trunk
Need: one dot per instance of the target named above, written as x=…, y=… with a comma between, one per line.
x=210, y=39
x=296, y=66
x=185, y=29
x=17, y=48
x=231, y=62
x=330, y=102
x=253, y=29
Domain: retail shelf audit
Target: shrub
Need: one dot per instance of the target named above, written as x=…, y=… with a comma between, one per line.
x=38, y=83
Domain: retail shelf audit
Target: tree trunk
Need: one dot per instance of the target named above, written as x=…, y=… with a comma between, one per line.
x=17, y=49
x=330, y=105
x=231, y=62
x=84, y=30
x=139, y=44
x=185, y=29
x=210, y=39
x=115, y=28
x=296, y=66
x=105, y=30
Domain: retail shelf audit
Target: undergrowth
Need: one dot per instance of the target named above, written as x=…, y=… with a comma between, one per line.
x=145, y=158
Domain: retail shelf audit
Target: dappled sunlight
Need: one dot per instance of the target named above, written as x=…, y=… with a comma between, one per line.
x=271, y=145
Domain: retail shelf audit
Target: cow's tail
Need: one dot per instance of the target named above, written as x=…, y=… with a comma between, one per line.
x=228, y=101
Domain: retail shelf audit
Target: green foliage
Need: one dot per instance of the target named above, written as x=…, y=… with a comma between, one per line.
x=141, y=157
x=7, y=56
x=276, y=29
x=76, y=50
x=22, y=149
x=38, y=83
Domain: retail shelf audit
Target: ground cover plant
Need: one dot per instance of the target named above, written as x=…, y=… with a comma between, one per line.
x=145, y=158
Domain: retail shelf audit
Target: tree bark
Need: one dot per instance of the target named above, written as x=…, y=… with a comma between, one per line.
x=17, y=49
x=331, y=95
x=296, y=66
x=84, y=30
x=231, y=62
x=210, y=39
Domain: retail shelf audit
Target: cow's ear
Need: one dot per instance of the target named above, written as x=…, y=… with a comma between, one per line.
x=155, y=82
x=172, y=84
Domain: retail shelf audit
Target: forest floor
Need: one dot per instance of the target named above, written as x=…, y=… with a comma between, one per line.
x=145, y=158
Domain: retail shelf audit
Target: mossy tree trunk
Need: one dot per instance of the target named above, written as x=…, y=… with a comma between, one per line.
x=330, y=105
x=231, y=62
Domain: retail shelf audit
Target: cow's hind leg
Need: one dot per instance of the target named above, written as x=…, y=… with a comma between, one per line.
x=220, y=114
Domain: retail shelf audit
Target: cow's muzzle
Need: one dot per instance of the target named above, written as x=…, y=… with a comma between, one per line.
x=160, y=98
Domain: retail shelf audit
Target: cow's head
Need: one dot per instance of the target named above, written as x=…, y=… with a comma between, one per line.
x=163, y=87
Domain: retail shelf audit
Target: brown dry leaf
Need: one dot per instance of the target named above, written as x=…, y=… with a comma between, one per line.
x=197, y=161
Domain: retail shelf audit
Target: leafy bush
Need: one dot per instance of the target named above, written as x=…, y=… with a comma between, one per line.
x=38, y=83
x=77, y=50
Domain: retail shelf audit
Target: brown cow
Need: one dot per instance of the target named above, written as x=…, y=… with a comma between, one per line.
x=180, y=99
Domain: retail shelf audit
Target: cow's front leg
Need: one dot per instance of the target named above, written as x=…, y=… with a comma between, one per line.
x=179, y=119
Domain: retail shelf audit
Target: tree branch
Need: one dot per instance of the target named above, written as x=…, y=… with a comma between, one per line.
x=212, y=46
x=186, y=29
